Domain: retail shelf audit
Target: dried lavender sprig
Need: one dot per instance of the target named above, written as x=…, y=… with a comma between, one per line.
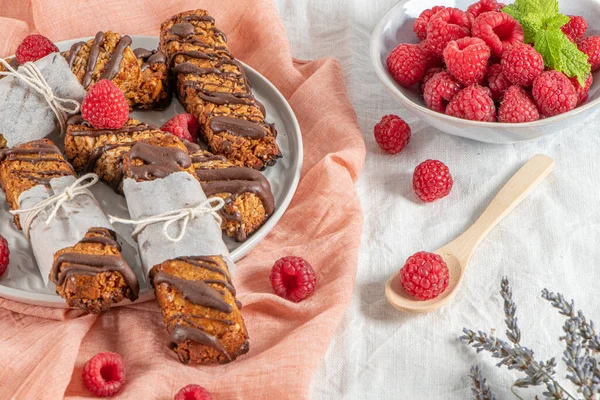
x=480, y=389
x=586, y=329
x=510, y=308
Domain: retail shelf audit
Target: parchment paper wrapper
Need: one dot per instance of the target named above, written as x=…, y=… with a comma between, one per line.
x=24, y=114
x=72, y=222
x=179, y=190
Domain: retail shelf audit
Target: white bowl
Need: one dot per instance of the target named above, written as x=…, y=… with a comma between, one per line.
x=396, y=27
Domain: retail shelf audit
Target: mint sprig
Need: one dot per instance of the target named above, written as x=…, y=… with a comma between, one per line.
x=541, y=24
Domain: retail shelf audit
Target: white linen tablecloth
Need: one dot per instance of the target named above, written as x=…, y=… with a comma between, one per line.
x=550, y=240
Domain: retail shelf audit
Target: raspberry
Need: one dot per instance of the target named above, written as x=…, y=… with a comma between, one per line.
x=474, y=103
x=293, y=278
x=582, y=92
x=34, y=47
x=424, y=275
x=476, y=9
x=420, y=26
x=432, y=180
x=439, y=90
x=407, y=64
x=184, y=126
x=497, y=81
x=193, y=392
x=554, y=94
x=433, y=60
x=103, y=374
x=392, y=134
x=4, y=255
x=517, y=106
x=575, y=28
x=499, y=30
x=521, y=64
x=591, y=47
x=445, y=26
x=429, y=74
x=467, y=59
x=104, y=106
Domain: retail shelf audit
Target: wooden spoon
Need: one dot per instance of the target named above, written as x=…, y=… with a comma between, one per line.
x=457, y=253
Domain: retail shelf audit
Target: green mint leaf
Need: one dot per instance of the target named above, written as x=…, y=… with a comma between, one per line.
x=548, y=8
x=575, y=62
x=531, y=25
x=561, y=54
x=556, y=21
x=549, y=44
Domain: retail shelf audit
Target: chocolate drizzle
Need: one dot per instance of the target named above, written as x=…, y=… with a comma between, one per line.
x=102, y=238
x=182, y=29
x=73, y=51
x=159, y=162
x=237, y=180
x=34, y=154
x=238, y=127
x=150, y=57
x=197, y=292
x=114, y=64
x=69, y=264
x=92, y=59
x=181, y=334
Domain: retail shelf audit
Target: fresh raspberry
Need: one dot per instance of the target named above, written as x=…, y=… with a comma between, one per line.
x=553, y=93
x=433, y=60
x=476, y=9
x=497, y=81
x=575, y=28
x=517, y=106
x=293, y=278
x=193, y=392
x=103, y=374
x=499, y=30
x=424, y=275
x=4, y=255
x=429, y=74
x=591, y=46
x=392, y=134
x=445, y=26
x=34, y=47
x=521, y=64
x=184, y=126
x=474, y=103
x=432, y=180
x=104, y=106
x=407, y=64
x=467, y=59
x=582, y=92
x=420, y=26
x=439, y=90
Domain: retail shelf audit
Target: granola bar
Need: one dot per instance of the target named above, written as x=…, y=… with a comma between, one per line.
x=212, y=85
x=194, y=293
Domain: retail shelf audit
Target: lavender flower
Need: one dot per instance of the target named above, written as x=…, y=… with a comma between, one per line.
x=480, y=389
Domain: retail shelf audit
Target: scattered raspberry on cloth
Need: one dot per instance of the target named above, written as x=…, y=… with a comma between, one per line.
x=193, y=392
x=432, y=180
x=293, y=278
x=392, y=134
x=103, y=374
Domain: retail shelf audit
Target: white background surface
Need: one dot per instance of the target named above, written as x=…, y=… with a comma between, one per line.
x=550, y=240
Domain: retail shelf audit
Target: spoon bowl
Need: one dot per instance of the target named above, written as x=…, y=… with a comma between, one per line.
x=457, y=253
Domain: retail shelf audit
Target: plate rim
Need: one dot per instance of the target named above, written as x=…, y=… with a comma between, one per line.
x=55, y=301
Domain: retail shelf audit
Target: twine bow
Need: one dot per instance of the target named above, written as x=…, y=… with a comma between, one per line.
x=32, y=76
x=78, y=188
x=185, y=215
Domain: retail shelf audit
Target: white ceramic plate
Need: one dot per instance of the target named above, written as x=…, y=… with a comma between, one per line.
x=396, y=27
x=23, y=282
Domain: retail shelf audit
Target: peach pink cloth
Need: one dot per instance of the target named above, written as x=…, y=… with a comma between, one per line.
x=42, y=351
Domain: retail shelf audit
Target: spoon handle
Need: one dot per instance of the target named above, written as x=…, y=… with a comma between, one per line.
x=515, y=190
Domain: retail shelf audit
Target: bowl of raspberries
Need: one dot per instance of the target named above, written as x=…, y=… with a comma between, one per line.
x=490, y=71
